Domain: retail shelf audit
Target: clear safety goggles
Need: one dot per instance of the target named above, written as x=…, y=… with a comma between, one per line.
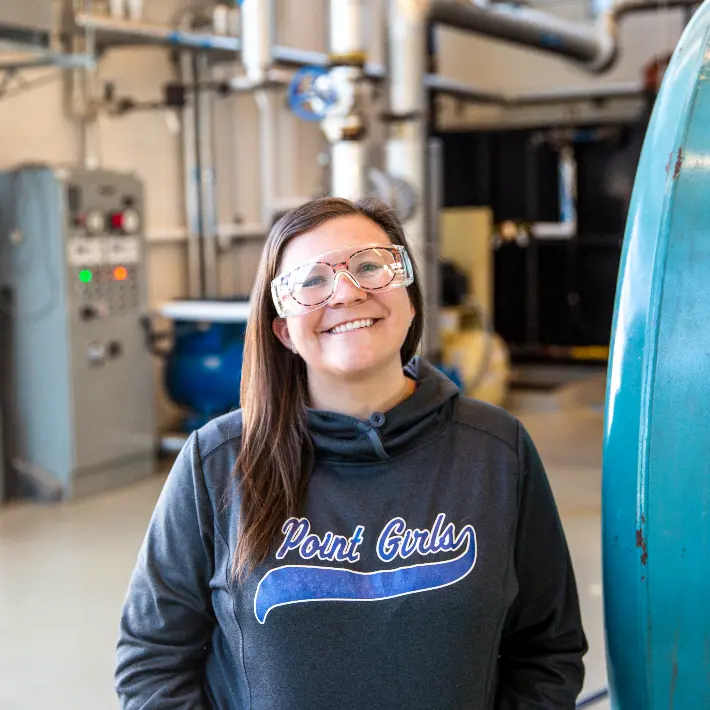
x=311, y=286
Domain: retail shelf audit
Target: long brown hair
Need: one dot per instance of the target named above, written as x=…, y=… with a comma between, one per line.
x=276, y=449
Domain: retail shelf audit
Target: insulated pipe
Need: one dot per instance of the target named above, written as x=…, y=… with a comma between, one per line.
x=405, y=151
x=525, y=26
x=594, y=47
x=258, y=22
x=345, y=31
x=344, y=127
x=348, y=169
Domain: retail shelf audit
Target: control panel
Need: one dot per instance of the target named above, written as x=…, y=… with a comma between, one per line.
x=74, y=265
x=104, y=250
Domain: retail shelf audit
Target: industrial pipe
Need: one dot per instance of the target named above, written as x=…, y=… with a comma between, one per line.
x=82, y=96
x=566, y=228
x=407, y=114
x=258, y=22
x=110, y=30
x=204, y=129
x=582, y=43
x=258, y=29
x=190, y=182
x=344, y=125
x=593, y=47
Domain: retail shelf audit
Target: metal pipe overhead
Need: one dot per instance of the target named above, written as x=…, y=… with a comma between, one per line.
x=112, y=31
x=525, y=26
x=594, y=46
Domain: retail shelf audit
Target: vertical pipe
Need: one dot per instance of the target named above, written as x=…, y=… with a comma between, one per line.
x=92, y=135
x=265, y=101
x=348, y=161
x=532, y=266
x=345, y=30
x=568, y=188
x=204, y=119
x=345, y=129
x=258, y=30
x=191, y=182
x=258, y=23
x=434, y=205
x=82, y=91
x=406, y=23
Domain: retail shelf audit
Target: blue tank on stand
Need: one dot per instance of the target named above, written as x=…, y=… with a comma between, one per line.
x=203, y=369
x=656, y=475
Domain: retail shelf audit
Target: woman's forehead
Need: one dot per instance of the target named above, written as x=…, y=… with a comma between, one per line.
x=335, y=234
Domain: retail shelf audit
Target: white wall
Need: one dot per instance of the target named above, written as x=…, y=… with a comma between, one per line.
x=33, y=125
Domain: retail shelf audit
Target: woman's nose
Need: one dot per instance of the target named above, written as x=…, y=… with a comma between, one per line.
x=345, y=290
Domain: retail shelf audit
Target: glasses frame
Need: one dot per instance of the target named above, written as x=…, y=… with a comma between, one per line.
x=341, y=267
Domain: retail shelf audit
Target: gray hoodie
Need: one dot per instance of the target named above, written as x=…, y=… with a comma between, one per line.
x=426, y=569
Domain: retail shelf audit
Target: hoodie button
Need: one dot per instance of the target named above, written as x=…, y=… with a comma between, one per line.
x=377, y=419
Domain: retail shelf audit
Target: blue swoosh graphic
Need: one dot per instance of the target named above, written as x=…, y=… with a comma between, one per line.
x=294, y=584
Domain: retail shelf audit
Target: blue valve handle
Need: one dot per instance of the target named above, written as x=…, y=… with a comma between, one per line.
x=302, y=91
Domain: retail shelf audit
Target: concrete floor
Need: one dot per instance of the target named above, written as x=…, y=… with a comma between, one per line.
x=64, y=568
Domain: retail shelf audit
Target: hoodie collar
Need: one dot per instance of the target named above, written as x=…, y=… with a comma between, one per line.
x=341, y=438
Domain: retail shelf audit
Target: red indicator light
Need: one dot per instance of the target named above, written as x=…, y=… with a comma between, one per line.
x=120, y=273
x=117, y=220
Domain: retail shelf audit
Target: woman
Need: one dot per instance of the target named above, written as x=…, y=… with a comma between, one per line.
x=359, y=535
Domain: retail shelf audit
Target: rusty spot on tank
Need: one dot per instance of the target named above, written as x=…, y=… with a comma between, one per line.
x=678, y=163
x=674, y=680
x=641, y=544
x=674, y=673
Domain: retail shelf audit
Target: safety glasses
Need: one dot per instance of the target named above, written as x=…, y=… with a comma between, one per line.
x=311, y=286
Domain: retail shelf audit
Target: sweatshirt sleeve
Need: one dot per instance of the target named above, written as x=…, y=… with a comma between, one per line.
x=543, y=642
x=167, y=616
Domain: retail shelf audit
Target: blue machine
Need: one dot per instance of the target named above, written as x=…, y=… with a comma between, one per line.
x=656, y=472
x=203, y=371
x=203, y=368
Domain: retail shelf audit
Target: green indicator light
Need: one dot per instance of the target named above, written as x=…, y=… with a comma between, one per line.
x=85, y=275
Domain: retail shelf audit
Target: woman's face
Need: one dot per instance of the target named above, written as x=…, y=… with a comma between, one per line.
x=355, y=352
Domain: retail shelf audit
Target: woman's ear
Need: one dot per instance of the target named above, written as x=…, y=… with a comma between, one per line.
x=280, y=329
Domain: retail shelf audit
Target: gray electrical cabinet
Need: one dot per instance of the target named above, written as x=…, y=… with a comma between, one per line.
x=27, y=21
x=79, y=382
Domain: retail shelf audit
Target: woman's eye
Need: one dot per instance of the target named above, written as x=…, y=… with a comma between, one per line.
x=369, y=267
x=313, y=282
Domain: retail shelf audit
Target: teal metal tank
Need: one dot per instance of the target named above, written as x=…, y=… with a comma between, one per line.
x=656, y=470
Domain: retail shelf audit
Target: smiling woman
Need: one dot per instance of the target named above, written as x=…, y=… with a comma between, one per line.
x=360, y=534
x=359, y=335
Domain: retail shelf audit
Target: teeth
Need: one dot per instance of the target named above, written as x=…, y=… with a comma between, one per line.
x=353, y=325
